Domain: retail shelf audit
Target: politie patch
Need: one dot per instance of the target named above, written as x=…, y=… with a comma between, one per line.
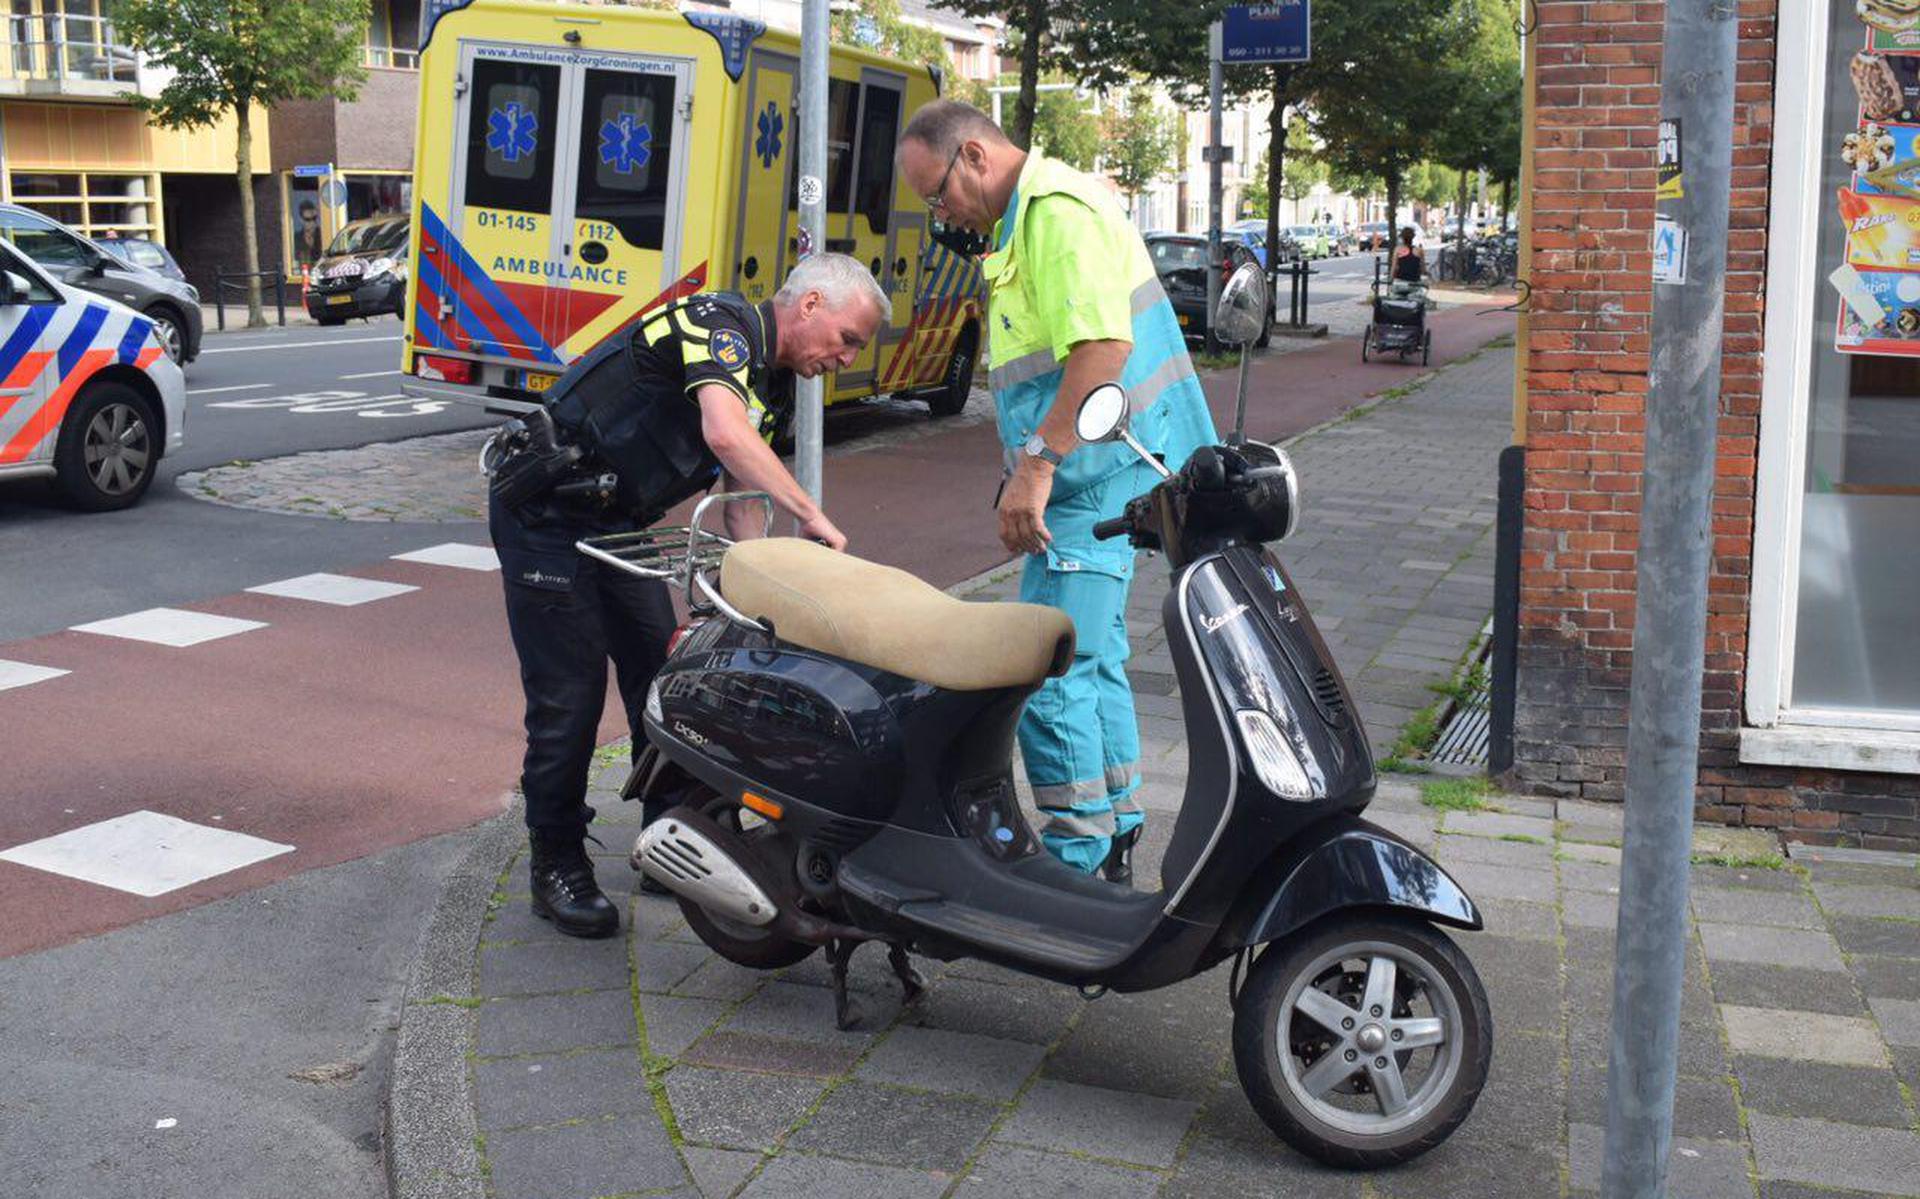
x=728, y=348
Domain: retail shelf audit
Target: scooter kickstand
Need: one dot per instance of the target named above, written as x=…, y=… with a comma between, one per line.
x=913, y=984
x=839, y=953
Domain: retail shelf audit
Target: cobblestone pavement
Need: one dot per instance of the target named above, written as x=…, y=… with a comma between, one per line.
x=646, y=1065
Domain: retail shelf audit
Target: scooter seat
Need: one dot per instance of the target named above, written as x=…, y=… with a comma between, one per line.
x=876, y=615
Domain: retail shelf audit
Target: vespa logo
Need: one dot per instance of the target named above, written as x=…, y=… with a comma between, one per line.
x=1213, y=624
x=688, y=735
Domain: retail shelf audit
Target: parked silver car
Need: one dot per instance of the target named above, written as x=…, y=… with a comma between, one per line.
x=171, y=304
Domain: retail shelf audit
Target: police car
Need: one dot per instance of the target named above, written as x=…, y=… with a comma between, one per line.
x=87, y=394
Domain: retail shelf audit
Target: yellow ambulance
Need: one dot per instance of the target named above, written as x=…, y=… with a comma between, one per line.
x=578, y=165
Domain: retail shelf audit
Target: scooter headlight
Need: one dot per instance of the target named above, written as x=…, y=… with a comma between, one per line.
x=654, y=712
x=1273, y=759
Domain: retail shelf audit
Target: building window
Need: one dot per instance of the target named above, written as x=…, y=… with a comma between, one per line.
x=380, y=48
x=96, y=203
x=1837, y=536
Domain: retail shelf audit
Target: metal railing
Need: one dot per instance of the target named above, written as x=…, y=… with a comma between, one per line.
x=63, y=48
x=236, y=281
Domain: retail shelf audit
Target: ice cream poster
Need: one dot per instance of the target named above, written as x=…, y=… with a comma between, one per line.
x=1879, y=312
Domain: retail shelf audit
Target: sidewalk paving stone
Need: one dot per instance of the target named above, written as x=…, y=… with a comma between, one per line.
x=1899, y=1020
x=552, y=1023
x=730, y=1109
x=880, y=1123
x=1866, y=934
x=1825, y=1152
x=1599, y=877
x=1092, y=1120
x=1501, y=882
x=1013, y=1172
x=1808, y=1036
x=1886, y=976
x=1499, y=824
x=718, y=1173
x=1771, y=946
x=1821, y=1090
x=517, y=1091
x=1696, y=1169
x=585, y=1160
x=777, y=1055
x=675, y=1022
x=936, y=1060
x=1847, y=899
x=552, y=965
x=1783, y=908
x=793, y=1175
x=1745, y=984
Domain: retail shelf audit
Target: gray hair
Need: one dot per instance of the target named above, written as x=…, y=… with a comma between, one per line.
x=944, y=125
x=838, y=278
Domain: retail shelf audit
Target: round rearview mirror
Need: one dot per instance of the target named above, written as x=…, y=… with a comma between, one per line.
x=1103, y=414
x=1243, y=307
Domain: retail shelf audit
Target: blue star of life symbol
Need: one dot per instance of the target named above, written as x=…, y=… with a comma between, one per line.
x=767, y=145
x=624, y=145
x=511, y=130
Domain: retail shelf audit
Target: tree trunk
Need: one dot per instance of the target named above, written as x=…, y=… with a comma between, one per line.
x=243, y=176
x=1393, y=208
x=1462, y=220
x=1276, y=165
x=1506, y=202
x=1027, y=107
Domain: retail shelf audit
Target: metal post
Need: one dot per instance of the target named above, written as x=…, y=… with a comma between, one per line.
x=810, y=395
x=1216, y=263
x=1663, y=722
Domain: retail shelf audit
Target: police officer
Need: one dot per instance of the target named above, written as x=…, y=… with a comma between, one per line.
x=666, y=407
x=1074, y=302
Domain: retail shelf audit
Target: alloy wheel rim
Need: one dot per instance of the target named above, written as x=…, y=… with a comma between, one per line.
x=116, y=449
x=169, y=335
x=1376, y=1039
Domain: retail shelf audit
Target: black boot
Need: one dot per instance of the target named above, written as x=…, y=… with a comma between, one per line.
x=1118, y=868
x=564, y=890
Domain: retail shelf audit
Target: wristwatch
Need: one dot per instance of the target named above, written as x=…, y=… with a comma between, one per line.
x=1037, y=447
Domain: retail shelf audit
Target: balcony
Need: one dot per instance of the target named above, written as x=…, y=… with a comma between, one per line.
x=69, y=57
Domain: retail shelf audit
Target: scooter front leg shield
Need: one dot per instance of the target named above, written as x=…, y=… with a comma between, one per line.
x=1345, y=863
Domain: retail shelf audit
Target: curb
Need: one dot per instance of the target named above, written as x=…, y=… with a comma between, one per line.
x=431, y=1136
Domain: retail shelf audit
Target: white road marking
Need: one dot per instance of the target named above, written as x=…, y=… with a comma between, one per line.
x=295, y=345
x=454, y=553
x=144, y=853
x=214, y=391
x=369, y=374
x=342, y=590
x=176, y=627
x=330, y=403
x=20, y=674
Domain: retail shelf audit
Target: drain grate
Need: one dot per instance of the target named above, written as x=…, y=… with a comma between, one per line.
x=1464, y=740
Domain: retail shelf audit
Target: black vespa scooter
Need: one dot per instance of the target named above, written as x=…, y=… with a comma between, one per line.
x=849, y=728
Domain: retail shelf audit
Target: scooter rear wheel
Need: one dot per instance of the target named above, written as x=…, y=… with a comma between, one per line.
x=742, y=944
x=1364, y=1042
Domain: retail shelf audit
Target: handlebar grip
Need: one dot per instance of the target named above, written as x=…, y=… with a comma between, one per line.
x=1108, y=529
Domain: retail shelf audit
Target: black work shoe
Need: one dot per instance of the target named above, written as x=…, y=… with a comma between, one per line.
x=1118, y=868
x=564, y=890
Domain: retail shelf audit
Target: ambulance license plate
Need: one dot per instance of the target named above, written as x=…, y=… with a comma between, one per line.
x=539, y=382
x=341, y=299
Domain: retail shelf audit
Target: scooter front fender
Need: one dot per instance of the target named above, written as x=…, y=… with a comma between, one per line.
x=1344, y=863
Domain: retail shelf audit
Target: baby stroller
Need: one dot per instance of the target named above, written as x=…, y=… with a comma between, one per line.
x=1399, y=323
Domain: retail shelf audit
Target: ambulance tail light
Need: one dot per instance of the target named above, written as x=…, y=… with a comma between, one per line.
x=446, y=370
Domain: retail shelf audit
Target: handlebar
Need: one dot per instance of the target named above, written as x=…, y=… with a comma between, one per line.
x=1106, y=530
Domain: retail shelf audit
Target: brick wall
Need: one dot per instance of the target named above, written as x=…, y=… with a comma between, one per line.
x=1597, y=110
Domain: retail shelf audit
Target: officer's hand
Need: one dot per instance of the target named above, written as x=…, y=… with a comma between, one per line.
x=823, y=531
x=1023, y=525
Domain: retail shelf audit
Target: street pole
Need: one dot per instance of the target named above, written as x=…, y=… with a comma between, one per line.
x=1676, y=541
x=809, y=394
x=1216, y=84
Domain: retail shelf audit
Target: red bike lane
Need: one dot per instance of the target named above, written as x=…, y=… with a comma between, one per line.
x=342, y=731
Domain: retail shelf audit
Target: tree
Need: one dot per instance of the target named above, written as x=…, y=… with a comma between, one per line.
x=1480, y=127
x=1139, y=143
x=1064, y=129
x=877, y=25
x=1304, y=170
x=1033, y=29
x=228, y=55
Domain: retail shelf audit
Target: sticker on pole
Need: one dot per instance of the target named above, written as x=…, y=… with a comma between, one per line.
x=809, y=189
x=1669, y=185
x=1669, y=251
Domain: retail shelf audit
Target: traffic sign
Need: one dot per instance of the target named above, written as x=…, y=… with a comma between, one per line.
x=1251, y=33
x=312, y=170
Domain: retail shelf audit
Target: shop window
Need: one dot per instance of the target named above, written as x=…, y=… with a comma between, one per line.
x=626, y=152
x=377, y=195
x=879, y=125
x=510, y=136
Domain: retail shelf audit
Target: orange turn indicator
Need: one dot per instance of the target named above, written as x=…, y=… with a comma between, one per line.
x=761, y=804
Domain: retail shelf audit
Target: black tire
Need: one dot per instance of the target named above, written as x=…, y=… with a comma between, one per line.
x=1266, y=332
x=109, y=448
x=741, y=944
x=958, y=381
x=1344, y=1122
x=330, y=321
x=1366, y=339
x=167, y=330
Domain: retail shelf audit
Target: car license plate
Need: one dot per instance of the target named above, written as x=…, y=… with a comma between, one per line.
x=539, y=382
x=342, y=299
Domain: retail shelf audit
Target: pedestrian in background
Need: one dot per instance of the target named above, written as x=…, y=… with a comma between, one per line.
x=675, y=401
x=1074, y=302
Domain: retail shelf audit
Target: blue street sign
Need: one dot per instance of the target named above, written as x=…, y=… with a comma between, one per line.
x=313, y=170
x=1280, y=32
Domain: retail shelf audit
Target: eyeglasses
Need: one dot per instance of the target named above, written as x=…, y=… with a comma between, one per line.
x=938, y=201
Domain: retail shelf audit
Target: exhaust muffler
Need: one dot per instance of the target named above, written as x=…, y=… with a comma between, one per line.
x=692, y=856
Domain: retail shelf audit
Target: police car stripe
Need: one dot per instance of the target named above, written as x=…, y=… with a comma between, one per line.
x=46, y=421
x=134, y=338
x=82, y=336
x=25, y=334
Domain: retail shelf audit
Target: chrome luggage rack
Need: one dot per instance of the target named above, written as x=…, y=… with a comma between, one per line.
x=683, y=555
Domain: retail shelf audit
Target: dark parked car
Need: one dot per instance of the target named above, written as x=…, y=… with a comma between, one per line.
x=171, y=304
x=142, y=252
x=362, y=273
x=1180, y=259
x=1374, y=235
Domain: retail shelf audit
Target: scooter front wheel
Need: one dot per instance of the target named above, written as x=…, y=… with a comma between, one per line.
x=1364, y=1042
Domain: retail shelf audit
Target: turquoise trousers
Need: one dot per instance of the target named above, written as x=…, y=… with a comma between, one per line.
x=1079, y=734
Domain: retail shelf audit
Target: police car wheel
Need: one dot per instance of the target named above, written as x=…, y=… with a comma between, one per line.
x=109, y=449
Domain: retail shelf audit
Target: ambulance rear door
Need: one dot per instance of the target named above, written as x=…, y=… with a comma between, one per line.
x=761, y=252
x=869, y=232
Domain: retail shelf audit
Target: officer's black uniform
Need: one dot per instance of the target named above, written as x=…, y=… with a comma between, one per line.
x=630, y=405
